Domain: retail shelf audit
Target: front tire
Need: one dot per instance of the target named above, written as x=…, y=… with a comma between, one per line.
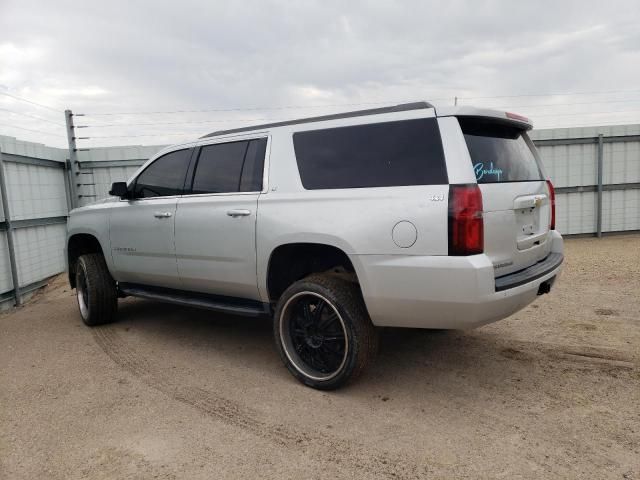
x=323, y=332
x=95, y=290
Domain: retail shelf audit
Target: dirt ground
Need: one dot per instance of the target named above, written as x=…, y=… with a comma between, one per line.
x=169, y=392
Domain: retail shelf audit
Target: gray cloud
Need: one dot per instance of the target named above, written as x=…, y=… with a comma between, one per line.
x=147, y=56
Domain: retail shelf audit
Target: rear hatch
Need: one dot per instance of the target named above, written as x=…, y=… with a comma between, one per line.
x=515, y=196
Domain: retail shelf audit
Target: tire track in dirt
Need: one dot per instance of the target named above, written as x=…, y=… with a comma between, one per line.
x=584, y=358
x=318, y=445
x=598, y=358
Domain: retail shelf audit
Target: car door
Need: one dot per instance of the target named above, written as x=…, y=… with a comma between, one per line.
x=216, y=220
x=142, y=227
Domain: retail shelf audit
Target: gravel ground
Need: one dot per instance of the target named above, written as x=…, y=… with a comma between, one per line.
x=168, y=392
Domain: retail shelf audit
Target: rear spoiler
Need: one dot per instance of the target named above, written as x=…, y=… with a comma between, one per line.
x=514, y=119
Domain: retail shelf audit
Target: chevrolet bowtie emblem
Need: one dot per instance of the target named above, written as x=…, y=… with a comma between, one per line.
x=538, y=201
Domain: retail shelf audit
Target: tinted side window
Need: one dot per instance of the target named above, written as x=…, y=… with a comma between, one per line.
x=387, y=154
x=164, y=177
x=219, y=168
x=251, y=180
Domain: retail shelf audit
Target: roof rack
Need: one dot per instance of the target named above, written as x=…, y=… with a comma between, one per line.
x=336, y=116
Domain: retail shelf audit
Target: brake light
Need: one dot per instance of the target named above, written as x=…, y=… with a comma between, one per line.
x=515, y=116
x=552, y=197
x=466, y=226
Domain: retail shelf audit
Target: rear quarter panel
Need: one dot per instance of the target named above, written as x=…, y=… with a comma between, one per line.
x=359, y=221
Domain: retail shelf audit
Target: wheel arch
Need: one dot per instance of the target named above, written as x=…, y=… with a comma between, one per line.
x=290, y=262
x=78, y=244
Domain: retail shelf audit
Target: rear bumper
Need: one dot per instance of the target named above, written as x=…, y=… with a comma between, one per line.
x=522, y=277
x=449, y=292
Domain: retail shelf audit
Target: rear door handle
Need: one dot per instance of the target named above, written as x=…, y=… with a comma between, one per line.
x=528, y=201
x=239, y=213
x=162, y=214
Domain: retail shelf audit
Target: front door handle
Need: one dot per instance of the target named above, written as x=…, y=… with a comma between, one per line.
x=239, y=213
x=162, y=214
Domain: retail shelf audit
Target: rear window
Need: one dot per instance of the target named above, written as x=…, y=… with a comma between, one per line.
x=499, y=152
x=375, y=155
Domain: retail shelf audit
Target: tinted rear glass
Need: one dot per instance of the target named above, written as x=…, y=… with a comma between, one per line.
x=499, y=153
x=376, y=155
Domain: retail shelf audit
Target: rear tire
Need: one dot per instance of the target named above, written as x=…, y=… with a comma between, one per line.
x=95, y=290
x=323, y=332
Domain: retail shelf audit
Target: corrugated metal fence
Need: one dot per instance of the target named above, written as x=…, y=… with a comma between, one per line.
x=37, y=202
x=575, y=158
x=39, y=182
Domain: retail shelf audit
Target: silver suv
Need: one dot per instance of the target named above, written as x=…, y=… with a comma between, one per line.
x=406, y=216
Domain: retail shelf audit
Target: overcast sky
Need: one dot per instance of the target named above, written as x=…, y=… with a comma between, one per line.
x=310, y=57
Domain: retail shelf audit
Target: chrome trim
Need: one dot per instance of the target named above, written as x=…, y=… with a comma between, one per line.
x=222, y=194
x=148, y=199
x=239, y=213
x=81, y=295
x=284, y=343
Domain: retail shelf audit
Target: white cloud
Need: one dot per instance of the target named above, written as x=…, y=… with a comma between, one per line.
x=146, y=56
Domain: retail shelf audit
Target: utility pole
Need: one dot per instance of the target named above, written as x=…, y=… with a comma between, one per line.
x=73, y=159
x=455, y=101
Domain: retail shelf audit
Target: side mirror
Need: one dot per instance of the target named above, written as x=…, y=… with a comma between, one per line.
x=119, y=189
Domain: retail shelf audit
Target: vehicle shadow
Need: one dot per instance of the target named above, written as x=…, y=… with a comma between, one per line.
x=417, y=356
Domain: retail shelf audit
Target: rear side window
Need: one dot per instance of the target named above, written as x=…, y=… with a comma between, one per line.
x=387, y=154
x=230, y=167
x=251, y=178
x=164, y=177
x=499, y=152
x=219, y=168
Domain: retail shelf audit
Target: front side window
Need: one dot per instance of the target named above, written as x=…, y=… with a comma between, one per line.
x=164, y=177
x=230, y=167
x=400, y=153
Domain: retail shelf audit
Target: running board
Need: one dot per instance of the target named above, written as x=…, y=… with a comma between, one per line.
x=237, y=306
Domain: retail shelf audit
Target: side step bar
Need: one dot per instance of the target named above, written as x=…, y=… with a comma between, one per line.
x=237, y=306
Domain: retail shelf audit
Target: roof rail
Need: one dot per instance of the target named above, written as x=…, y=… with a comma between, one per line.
x=336, y=116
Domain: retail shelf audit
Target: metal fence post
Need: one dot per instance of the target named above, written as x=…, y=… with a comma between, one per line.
x=67, y=185
x=599, y=194
x=10, y=244
x=73, y=158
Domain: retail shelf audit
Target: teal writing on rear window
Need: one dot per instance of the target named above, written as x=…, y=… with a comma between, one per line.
x=499, y=152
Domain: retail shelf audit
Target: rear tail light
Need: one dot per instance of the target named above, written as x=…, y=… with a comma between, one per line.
x=466, y=227
x=552, y=197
